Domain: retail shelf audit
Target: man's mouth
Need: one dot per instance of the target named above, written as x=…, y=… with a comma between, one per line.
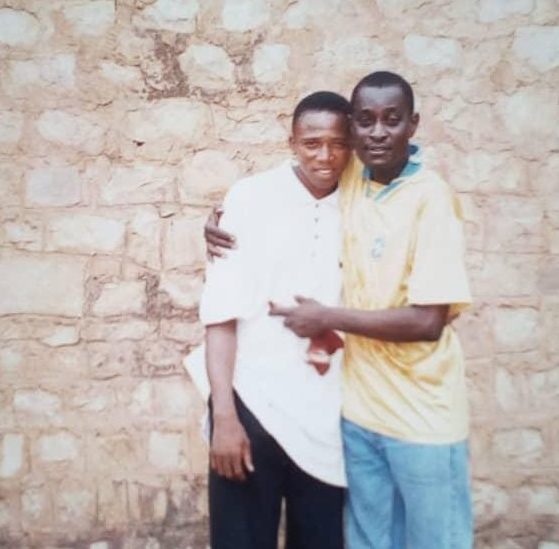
x=324, y=171
x=377, y=150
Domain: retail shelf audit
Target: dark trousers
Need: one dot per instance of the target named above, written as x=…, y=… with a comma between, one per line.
x=246, y=515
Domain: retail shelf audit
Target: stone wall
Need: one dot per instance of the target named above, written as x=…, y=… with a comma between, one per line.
x=122, y=122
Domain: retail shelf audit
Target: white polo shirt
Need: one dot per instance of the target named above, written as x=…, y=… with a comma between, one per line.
x=289, y=244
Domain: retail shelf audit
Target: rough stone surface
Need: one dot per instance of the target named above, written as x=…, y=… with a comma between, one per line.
x=41, y=285
x=173, y=15
x=11, y=459
x=493, y=10
x=11, y=124
x=123, y=123
x=53, y=186
x=270, y=63
x=85, y=233
x=244, y=15
x=91, y=18
x=207, y=66
x=60, y=447
x=440, y=52
x=539, y=46
x=126, y=297
x=18, y=28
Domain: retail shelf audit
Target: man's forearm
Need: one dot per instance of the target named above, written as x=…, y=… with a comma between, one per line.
x=221, y=348
x=403, y=324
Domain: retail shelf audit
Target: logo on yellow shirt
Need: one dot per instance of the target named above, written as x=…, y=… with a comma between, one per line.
x=379, y=244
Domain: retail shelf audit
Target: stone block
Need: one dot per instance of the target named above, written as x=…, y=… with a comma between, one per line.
x=548, y=545
x=244, y=15
x=355, y=53
x=54, y=74
x=207, y=175
x=85, y=233
x=184, y=244
x=183, y=331
x=493, y=10
x=141, y=402
x=18, y=27
x=172, y=397
x=542, y=388
x=550, y=323
x=73, y=130
x=91, y=19
x=518, y=446
x=139, y=184
x=253, y=129
x=111, y=506
x=505, y=275
x=164, y=450
x=528, y=117
x=538, y=46
x=548, y=283
x=167, y=122
x=172, y=15
x=11, y=459
x=101, y=330
x=42, y=285
x=114, y=455
x=516, y=329
x=10, y=181
x=433, y=52
x=490, y=502
x=38, y=403
x=183, y=291
x=144, y=237
x=516, y=225
x=11, y=126
x=11, y=358
x=62, y=336
x=115, y=359
x=125, y=297
x=508, y=390
x=270, y=63
x=207, y=66
x=22, y=231
x=53, y=186
x=540, y=500
x=75, y=506
x=162, y=358
x=35, y=507
x=62, y=446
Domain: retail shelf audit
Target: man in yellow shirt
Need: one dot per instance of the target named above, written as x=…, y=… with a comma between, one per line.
x=405, y=419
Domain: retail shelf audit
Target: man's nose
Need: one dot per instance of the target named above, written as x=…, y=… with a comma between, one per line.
x=324, y=152
x=378, y=131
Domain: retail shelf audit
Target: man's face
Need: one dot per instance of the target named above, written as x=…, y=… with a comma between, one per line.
x=321, y=143
x=382, y=126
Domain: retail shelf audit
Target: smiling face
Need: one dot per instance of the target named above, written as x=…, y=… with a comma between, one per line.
x=382, y=125
x=321, y=143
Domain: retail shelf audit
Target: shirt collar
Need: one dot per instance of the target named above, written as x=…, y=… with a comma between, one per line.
x=412, y=166
x=299, y=193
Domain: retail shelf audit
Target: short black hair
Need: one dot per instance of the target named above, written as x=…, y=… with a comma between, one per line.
x=322, y=101
x=383, y=79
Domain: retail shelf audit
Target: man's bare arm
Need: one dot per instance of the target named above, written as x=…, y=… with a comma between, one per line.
x=403, y=324
x=230, y=454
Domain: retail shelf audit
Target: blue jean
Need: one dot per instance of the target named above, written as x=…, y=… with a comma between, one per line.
x=403, y=495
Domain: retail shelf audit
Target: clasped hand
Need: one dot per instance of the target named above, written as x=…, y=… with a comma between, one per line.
x=306, y=319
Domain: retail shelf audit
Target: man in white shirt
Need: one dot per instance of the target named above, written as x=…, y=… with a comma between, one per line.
x=275, y=419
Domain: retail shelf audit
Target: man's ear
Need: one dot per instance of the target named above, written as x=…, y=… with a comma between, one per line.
x=291, y=141
x=414, y=123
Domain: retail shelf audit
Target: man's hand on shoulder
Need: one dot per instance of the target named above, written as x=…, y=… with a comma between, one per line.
x=217, y=240
x=230, y=453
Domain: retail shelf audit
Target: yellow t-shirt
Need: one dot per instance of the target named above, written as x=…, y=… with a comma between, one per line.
x=403, y=245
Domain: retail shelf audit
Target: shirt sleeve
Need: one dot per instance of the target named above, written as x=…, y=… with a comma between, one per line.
x=438, y=272
x=234, y=284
